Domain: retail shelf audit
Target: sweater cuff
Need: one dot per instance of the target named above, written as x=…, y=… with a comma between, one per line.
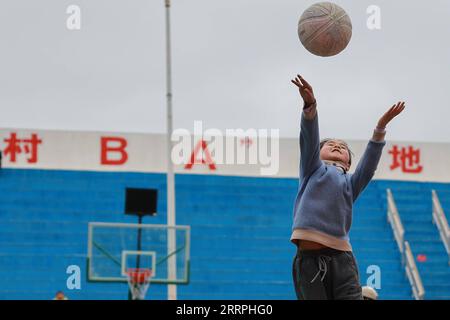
x=310, y=112
x=378, y=142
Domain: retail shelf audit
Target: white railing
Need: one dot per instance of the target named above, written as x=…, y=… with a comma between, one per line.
x=441, y=223
x=403, y=246
x=395, y=221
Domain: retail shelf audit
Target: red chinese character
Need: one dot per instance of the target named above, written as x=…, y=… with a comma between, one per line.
x=201, y=146
x=17, y=146
x=406, y=158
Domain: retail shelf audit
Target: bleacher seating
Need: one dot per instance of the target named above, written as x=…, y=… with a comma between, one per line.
x=240, y=233
x=415, y=207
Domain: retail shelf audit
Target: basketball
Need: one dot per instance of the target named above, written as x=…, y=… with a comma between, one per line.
x=325, y=29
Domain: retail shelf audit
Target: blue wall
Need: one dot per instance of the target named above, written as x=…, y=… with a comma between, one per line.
x=240, y=233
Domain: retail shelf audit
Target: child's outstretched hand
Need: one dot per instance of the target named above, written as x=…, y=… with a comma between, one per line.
x=305, y=89
x=394, y=111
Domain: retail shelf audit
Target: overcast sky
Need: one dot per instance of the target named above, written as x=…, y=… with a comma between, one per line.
x=232, y=65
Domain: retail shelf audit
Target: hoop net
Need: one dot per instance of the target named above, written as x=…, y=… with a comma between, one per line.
x=139, y=281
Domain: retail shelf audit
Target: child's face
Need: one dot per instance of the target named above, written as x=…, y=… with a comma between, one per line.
x=335, y=150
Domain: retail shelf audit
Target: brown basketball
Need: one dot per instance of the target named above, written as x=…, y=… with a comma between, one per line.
x=325, y=29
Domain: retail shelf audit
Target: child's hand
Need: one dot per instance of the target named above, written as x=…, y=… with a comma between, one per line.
x=394, y=111
x=305, y=90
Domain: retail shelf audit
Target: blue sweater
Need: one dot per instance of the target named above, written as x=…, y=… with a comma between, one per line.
x=326, y=194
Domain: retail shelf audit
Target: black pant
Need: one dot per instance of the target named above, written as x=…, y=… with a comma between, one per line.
x=326, y=274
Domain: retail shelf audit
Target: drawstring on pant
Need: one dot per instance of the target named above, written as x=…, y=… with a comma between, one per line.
x=322, y=267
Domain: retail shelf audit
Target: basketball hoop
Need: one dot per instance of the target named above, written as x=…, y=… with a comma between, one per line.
x=139, y=281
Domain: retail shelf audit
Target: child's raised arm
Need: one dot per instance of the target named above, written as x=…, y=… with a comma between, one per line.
x=369, y=161
x=380, y=130
x=309, y=131
x=307, y=93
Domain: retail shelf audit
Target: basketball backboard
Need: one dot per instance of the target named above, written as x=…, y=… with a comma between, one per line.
x=112, y=249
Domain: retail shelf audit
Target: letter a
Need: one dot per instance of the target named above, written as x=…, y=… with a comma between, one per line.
x=374, y=20
x=374, y=280
x=73, y=281
x=74, y=20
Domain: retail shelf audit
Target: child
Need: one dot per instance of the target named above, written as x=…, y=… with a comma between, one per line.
x=324, y=266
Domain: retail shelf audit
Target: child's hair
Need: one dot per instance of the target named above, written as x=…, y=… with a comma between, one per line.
x=350, y=153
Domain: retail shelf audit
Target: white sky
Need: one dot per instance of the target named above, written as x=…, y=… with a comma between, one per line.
x=233, y=61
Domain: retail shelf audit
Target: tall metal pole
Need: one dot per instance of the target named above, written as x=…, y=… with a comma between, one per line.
x=171, y=221
x=139, y=242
